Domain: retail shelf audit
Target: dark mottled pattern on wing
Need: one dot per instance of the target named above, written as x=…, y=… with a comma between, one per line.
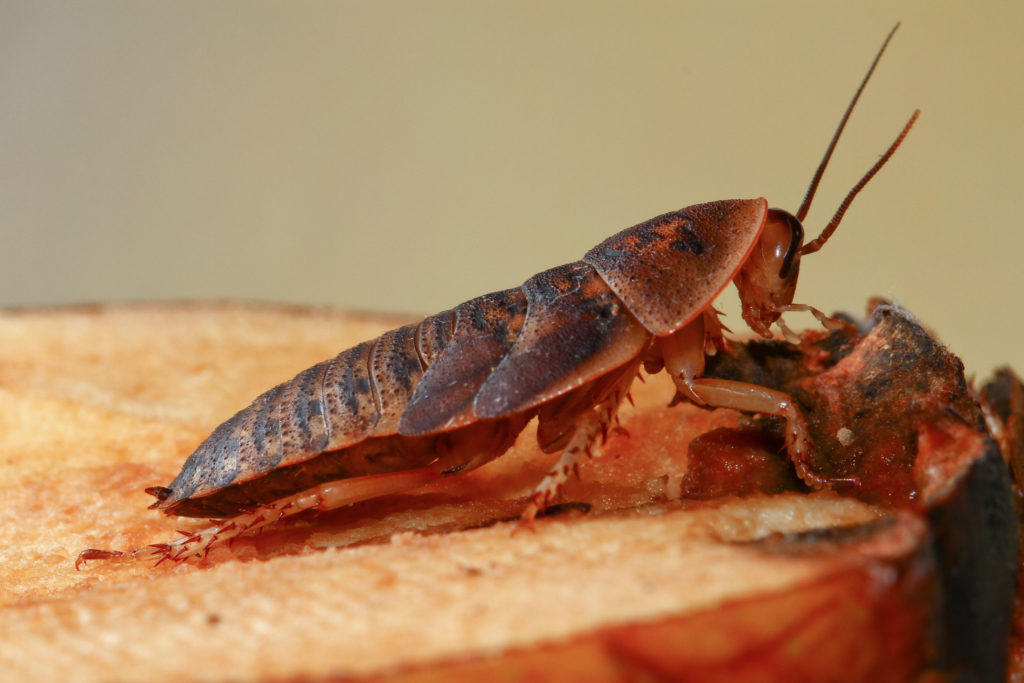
x=283, y=425
x=668, y=269
x=433, y=335
x=396, y=370
x=485, y=329
x=576, y=329
x=300, y=424
x=349, y=401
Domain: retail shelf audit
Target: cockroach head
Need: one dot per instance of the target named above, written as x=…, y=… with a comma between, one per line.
x=767, y=280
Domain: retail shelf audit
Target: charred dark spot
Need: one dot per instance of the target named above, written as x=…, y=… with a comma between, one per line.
x=769, y=363
x=315, y=407
x=564, y=508
x=361, y=386
x=454, y=469
x=1002, y=393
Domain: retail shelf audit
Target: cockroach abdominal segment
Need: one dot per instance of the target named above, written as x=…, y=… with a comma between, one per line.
x=451, y=393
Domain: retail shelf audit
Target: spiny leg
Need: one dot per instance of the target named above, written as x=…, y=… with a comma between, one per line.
x=683, y=355
x=714, y=337
x=594, y=422
x=327, y=496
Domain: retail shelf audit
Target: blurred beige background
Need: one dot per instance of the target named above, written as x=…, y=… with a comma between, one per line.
x=406, y=156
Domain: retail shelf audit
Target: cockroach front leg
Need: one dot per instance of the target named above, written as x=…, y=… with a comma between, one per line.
x=751, y=398
x=683, y=355
x=828, y=322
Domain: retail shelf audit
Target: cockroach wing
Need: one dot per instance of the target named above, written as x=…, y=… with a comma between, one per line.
x=670, y=268
x=485, y=329
x=325, y=407
x=576, y=329
x=396, y=370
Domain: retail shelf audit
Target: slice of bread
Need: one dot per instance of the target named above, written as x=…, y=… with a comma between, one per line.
x=687, y=551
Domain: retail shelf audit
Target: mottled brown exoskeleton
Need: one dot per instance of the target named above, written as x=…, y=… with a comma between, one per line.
x=451, y=393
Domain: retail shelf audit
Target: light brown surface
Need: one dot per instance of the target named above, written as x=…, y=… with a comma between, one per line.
x=96, y=404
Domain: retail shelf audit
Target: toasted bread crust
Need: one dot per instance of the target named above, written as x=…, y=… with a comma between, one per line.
x=98, y=403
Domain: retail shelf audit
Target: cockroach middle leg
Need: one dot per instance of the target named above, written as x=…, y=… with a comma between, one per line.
x=683, y=355
x=323, y=497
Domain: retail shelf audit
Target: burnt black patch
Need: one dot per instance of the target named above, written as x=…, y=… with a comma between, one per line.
x=564, y=508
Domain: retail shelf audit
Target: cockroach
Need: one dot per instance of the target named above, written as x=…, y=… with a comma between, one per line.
x=451, y=393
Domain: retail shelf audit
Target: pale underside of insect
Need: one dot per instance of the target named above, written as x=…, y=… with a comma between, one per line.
x=451, y=393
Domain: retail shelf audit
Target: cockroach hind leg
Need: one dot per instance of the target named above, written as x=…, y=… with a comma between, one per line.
x=328, y=496
x=593, y=425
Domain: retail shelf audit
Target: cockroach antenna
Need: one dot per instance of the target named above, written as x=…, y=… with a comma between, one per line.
x=805, y=206
x=819, y=241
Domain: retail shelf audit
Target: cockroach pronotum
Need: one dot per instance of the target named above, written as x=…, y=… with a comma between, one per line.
x=451, y=393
